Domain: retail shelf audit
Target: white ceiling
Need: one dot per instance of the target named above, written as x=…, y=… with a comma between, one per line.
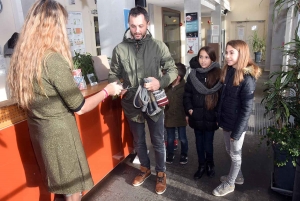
x=176, y=5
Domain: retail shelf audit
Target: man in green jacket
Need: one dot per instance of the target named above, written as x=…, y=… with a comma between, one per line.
x=140, y=56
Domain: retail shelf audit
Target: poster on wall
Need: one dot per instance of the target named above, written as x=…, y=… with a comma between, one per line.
x=215, y=39
x=75, y=33
x=192, y=45
x=191, y=25
x=215, y=30
x=241, y=33
x=191, y=30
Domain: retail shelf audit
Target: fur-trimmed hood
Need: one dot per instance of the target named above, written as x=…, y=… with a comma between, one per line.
x=250, y=70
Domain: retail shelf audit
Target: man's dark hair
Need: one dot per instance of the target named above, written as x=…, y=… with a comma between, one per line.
x=138, y=10
x=181, y=70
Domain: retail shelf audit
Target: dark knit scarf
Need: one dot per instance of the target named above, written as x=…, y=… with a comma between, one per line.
x=202, y=89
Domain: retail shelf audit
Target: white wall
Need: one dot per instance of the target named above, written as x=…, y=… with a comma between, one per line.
x=85, y=6
x=111, y=23
x=9, y=22
x=241, y=10
x=158, y=23
x=14, y=12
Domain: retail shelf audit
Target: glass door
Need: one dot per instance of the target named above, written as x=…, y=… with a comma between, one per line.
x=97, y=36
x=171, y=32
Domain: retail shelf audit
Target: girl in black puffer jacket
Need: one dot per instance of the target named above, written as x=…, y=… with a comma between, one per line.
x=200, y=102
x=238, y=77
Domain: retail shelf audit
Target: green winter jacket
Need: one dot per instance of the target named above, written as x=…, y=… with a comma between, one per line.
x=174, y=111
x=134, y=60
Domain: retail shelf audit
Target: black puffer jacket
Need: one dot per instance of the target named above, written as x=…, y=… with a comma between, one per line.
x=236, y=103
x=201, y=118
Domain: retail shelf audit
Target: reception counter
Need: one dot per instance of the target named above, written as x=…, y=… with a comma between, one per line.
x=105, y=137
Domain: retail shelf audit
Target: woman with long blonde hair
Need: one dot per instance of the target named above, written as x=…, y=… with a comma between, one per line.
x=238, y=76
x=41, y=82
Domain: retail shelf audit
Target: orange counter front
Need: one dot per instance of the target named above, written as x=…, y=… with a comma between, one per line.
x=105, y=137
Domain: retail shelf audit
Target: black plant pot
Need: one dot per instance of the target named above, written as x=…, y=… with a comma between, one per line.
x=296, y=192
x=283, y=177
x=257, y=57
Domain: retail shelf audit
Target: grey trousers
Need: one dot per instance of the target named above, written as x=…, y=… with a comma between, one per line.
x=234, y=149
x=156, y=131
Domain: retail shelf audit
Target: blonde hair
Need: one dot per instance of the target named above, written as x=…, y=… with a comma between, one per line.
x=244, y=60
x=44, y=30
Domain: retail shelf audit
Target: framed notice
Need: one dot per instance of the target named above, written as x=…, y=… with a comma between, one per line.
x=215, y=30
x=75, y=33
x=241, y=33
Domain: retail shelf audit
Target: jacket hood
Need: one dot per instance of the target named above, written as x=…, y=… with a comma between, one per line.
x=128, y=37
x=194, y=63
x=250, y=70
x=180, y=85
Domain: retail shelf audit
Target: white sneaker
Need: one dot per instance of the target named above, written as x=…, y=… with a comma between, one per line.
x=238, y=180
x=223, y=189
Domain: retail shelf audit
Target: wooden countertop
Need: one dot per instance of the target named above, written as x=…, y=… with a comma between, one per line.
x=93, y=89
x=11, y=114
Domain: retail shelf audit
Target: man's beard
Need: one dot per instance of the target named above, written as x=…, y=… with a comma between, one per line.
x=143, y=36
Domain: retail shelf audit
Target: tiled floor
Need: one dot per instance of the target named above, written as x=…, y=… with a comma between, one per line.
x=256, y=167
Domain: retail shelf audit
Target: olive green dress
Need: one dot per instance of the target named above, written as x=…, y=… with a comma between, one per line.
x=53, y=130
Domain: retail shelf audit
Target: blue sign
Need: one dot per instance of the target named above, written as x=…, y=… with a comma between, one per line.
x=126, y=14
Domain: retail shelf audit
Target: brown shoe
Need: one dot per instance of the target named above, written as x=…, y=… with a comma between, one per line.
x=142, y=176
x=161, y=183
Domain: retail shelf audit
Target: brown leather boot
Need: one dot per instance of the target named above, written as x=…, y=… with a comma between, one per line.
x=142, y=176
x=161, y=183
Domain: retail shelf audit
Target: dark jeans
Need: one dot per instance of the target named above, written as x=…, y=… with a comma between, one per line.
x=156, y=130
x=181, y=137
x=204, y=145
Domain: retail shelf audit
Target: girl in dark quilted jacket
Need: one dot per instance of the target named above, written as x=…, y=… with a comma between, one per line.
x=200, y=102
x=238, y=77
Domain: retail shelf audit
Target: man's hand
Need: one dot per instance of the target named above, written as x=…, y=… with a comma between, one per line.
x=153, y=85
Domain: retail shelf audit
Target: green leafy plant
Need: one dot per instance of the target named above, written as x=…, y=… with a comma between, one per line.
x=282, y=102
x=257, y=43
x=85, y=63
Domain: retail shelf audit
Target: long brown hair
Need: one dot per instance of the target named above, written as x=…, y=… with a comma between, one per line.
x=244, y=60
x=44, y=30
x=213, y=77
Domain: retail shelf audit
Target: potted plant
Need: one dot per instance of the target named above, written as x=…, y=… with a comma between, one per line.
x=258, y=46
x=282, y=102
x=86, y=64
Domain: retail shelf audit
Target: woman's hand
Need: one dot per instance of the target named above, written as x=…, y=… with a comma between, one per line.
x=113, y=88
x=190, y=112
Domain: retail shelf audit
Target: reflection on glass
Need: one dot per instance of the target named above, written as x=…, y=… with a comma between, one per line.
x=172, y=33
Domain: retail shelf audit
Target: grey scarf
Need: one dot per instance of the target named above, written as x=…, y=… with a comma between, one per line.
x=202, y=89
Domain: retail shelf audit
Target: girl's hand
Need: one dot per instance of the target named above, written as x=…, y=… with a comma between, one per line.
x=113, y=88
x=191, y=112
